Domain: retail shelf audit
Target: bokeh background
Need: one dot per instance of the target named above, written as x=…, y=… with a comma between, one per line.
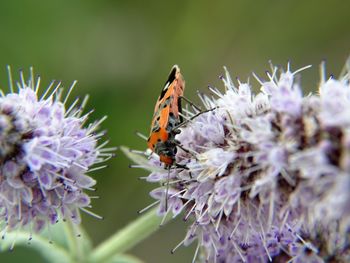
x=121, y=53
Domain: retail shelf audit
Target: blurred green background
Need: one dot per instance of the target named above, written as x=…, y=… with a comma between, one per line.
x=121, y=53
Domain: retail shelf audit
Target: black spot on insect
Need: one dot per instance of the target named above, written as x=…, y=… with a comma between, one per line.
x=153, y=146
x=171, y=78
x=156, y=129
x=171, y=114
x=179, y=108
x=159, y=140
x=158, y=118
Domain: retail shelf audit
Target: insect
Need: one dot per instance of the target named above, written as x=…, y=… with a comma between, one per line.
x=166, y=121
x=166, y=118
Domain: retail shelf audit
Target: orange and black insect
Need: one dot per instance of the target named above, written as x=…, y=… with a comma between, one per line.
x=167, y=117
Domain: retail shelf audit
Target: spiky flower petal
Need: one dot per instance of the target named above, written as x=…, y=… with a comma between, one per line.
x=45, y=153
x=268, y=175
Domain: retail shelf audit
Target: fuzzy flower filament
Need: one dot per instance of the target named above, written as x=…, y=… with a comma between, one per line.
x=268, y=175
x=45, y=154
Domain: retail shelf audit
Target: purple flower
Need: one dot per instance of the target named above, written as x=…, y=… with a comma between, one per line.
x=45, y=154
x=268, y=175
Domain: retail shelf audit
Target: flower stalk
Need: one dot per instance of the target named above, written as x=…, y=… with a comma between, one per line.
x=128, y=237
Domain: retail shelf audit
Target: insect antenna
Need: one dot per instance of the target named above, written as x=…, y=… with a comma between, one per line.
x=167, y=189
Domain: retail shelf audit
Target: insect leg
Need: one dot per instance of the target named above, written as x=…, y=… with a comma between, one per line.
x=191, y=103
x=178, y=144
x=167, y=190
x=190, y=119
x=181, y=166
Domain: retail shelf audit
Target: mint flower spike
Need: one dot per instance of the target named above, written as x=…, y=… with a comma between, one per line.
x=268, y=176
x=45, y=155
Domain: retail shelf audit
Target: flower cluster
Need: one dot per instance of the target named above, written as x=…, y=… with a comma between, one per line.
x=268, y=174
x=45, y=153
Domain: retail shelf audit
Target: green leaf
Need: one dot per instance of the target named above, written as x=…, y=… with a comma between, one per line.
x=61, y=242
x=53, y=252
x=71, y=237
x=140, y=159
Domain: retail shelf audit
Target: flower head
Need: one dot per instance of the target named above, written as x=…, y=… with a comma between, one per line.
x=45, y=154
x=268, y=174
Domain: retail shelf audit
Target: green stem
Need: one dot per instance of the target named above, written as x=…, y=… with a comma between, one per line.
x=73, y=244
x=127, y=237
